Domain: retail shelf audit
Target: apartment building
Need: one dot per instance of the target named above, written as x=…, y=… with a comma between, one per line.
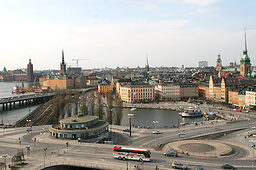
x=133, y=93
x=168, y=91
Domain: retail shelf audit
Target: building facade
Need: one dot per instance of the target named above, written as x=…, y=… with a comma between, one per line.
x=84, y=127
x=168, y=91
x=233, y=97
x=250, y=98
x=137, y=93
x=58, y=83
x=203, y=64
x=104, y=88
x=188, y=91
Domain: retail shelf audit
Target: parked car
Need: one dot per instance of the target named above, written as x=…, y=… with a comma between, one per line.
x=246, y=111
x=156, y=132
x=227, y=166
x=171, y=154
x=179, y=166
x=239, y=110
x=198, y=168
x=126, y=130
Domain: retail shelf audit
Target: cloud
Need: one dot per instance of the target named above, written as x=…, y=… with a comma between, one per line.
x=150, y=7
x=200, y=2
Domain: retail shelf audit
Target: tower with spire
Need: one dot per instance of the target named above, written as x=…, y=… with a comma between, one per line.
x=219, y=64
x=30, y=72
x=245, y=62
x=147, y=66
x=63, y=65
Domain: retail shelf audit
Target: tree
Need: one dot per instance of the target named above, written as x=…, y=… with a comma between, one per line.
x=99, y=111
x=91, y=101
x=109, y=107
x=83, y=104
x=76, y=100
x=119, y=111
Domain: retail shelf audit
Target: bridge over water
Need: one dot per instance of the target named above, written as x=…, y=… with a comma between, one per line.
x=25, y=100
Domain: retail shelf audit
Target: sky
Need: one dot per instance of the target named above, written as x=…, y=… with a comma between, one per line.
x=112, y=33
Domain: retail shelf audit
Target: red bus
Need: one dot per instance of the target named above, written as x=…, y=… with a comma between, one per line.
x=123, y=153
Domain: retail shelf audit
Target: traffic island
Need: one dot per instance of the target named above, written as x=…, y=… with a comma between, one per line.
x=202, y=148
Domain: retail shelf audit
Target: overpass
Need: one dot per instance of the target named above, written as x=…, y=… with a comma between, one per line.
x=25, y=100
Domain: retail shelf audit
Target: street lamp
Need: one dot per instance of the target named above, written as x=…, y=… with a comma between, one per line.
x=155, y=122
x=45, y=149
x=42, y=133
x=130, y=115
x=28, y=150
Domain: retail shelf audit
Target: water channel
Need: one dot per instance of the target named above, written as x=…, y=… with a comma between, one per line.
x=142, y=117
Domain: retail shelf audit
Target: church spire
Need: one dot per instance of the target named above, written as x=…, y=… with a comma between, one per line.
x=245, y=43
x=147, y=65
x=63, y=62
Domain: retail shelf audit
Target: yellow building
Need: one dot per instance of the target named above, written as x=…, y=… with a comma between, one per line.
x=104, y=88
x=241, y=101
x=137, y=93
x=250, y=98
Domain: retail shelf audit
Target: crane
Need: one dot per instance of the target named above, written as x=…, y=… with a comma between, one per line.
x=76, y=59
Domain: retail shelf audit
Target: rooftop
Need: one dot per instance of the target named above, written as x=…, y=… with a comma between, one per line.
x=78, y=119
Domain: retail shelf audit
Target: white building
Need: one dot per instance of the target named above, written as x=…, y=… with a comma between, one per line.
x=250, y=98
x=168, y=91
x=203, y=64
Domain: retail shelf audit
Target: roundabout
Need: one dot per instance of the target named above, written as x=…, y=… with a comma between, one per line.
x=202, y=148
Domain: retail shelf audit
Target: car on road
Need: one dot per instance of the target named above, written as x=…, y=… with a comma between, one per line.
x=126, y=130
x=198, y=168
x=246, y=111
x=171, y=154
x=156, y=132
x=227, y=166
x=239, y=110
x=176, y=165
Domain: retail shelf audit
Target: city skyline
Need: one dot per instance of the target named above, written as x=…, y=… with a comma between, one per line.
x=125, y=32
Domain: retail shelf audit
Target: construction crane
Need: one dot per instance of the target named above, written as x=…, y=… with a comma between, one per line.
x=76, y=59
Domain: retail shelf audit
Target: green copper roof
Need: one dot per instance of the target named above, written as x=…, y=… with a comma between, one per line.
x=219, y=59
x=245, y=59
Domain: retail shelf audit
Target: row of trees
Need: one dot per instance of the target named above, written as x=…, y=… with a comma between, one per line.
x=66, y=102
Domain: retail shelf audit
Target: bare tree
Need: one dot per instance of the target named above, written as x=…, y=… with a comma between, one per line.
x=83, y=103
x=76, y=100
x=91, y=102
x=109, y=107
x=99, y=111
x=119, y=110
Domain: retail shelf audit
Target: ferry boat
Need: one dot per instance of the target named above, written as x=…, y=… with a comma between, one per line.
x=191, y=113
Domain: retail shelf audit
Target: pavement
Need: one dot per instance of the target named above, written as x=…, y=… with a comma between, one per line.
x=100, y=155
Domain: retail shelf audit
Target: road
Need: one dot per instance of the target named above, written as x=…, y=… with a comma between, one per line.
x=100, y=155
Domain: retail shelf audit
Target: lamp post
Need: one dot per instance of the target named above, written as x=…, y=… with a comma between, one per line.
x=130, y=115
x=253, y=146
x=42, y=133
x=155, y=122
x=28, y=150
x=45, y=149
